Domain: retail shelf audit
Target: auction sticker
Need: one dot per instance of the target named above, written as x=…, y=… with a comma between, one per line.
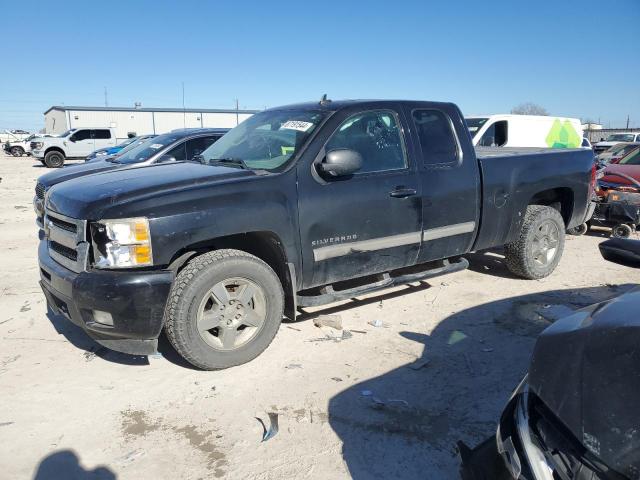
x=156, y=146
x=296, y=125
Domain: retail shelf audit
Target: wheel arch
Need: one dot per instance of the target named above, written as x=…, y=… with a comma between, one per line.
x=266, y=245
x=55, y=149
x=561, y=198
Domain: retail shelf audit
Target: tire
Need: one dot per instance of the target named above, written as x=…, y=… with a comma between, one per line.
x=536, y=254
x=579, y=230
x=195, y=302
x=17, y=151
x=54, y=159
x=622, y=230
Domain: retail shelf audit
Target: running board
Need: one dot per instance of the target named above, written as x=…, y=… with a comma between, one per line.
x=385, y=280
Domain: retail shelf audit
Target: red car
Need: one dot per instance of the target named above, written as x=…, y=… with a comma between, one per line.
x=629, y=166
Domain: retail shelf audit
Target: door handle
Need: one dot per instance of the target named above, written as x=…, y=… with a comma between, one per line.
x=402, y=192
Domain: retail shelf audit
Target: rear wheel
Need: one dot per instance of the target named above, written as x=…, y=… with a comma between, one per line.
x=538, y=249
x=224, y=309
x=54, y=159
x=621, y=230
x=17, y=151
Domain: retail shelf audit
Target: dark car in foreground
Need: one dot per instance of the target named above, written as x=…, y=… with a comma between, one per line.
x=178, y=145
x=297, y=206
x=575, y=415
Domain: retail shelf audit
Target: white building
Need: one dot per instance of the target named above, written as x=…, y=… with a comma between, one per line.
x=140, y=121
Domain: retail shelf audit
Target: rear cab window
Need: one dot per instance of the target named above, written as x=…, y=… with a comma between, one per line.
x=438, y=141
x=102, y=134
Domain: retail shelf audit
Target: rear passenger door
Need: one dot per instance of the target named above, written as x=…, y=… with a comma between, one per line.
x=102, y=138
x=449, y=179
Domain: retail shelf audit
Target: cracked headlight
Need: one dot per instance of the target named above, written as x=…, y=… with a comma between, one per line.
x=122, y=243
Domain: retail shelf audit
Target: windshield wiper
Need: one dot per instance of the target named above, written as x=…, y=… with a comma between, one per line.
x=228, y=162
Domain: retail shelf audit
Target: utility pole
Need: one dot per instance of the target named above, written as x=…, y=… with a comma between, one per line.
x=237, y=116
x=184, y=112
x=106, y=101
x=627, y=121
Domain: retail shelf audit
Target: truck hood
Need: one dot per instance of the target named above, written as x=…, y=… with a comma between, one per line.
x=606, y=144
x=586, y=369
x=87, y=197
x=74, y=171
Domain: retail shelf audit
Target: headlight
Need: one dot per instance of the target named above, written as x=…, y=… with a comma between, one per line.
x=123, y=243
x=38, y=145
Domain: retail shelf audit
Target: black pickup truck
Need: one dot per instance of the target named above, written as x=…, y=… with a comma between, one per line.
x=298, y=206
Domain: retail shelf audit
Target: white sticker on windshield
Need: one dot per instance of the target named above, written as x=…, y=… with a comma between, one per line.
x=156, y=146
x=296, y=125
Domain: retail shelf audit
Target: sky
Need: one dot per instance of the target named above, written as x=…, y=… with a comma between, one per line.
x=574, y=58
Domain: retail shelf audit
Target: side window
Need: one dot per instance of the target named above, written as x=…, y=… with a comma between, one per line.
x=196, y=146
x=437, y=138
x=179, y=152
x=81, y=135
x=102, y=134
x=495, y=136
x=376, y=136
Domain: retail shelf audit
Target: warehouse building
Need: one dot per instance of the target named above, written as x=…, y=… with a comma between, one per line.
x=139, y=121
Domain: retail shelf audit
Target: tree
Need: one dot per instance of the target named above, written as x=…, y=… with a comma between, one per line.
x=529, y=108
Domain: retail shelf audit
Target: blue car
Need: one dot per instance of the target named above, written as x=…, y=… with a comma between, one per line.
x=115, y=150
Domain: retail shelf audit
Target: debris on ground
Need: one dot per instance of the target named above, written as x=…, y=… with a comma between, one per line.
x=331, y=326
x=336, y=379
x=293, y=328
x=378, y=323
x=332, y=321
x=271, y=431
x=293, y=366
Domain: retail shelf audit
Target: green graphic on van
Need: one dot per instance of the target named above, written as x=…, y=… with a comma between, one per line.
x=563, y=135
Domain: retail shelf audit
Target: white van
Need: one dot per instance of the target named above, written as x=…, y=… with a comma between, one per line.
x=525, y=131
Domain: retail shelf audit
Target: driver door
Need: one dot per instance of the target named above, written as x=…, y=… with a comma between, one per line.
x=368, y=222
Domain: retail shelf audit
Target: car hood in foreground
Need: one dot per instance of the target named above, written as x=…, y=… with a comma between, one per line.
x=89, y=196
x=586, y=370
x=78, y=170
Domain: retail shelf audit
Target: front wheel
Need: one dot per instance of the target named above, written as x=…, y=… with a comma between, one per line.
x=224, y=309
x=579, y=230
x=17, y=151
x=54, y=159
x=538, y=249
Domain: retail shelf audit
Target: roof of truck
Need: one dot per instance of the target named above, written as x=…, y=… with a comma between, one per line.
x=334, y=105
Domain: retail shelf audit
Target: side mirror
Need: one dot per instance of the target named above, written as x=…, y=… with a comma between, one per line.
x=622, y=251
x=72, y=139
x=166, y=158
x=341, y=162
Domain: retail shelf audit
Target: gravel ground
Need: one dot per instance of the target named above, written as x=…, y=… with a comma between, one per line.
x=383, y=402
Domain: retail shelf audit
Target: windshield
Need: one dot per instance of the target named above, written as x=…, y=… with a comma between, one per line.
x=143, y=151
x=128, y=141
x=67, y=133
x=620, y=137
x=632, y=158
x=266, y=140
x=475, y=124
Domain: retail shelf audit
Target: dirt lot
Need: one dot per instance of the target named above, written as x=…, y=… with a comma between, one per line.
x=384, y=402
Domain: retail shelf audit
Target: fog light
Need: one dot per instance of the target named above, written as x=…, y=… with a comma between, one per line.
x=104, y=318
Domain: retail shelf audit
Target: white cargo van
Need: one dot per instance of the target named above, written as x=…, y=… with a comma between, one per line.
x=510, y=130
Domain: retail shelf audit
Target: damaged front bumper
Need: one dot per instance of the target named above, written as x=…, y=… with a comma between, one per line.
x=121, y=310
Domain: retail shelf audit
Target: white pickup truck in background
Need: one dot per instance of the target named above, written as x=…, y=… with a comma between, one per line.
x=17, y=148
x=74, y=143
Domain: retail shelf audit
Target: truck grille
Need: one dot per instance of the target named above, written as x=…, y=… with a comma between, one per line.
x=67, y=240
x=40, y=191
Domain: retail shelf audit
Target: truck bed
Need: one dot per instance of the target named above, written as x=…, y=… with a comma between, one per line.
x=489, y=152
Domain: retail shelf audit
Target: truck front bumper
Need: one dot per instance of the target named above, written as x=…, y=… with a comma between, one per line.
x=121, y=310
